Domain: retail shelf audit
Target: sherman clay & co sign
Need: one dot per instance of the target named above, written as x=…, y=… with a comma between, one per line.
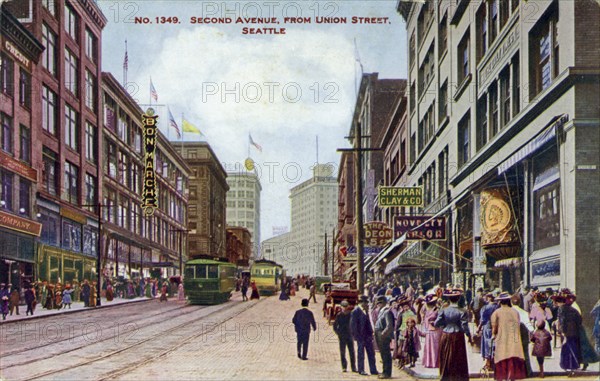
x=377, y=234
x=400, y=196
x=420, y=227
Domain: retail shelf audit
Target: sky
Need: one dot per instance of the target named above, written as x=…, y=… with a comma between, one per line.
x=283, y=89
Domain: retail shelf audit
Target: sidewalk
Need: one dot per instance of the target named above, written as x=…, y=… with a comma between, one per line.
x=551, y=366
x=75, y=307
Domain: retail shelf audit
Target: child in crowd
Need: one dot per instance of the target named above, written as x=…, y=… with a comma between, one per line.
x=412, y=343
x=541, y=339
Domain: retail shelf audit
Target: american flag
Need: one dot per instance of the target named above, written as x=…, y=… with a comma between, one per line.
x=172, y=123
x=153, y=92
x=255, y=144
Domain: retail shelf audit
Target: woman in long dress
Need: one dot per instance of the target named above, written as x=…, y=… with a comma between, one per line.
x=255, y=294
x=180, y=292
x=485, y=327
x=431, y=358
x=569, y=324
x=509, y=358
x=93, y=295
x=454, y=321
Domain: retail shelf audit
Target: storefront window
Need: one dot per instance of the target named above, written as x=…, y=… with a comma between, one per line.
x=71, y=235
x=50, y=227
x=546, y=198
x=90, y=241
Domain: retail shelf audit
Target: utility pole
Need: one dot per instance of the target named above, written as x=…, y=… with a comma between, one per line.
x=325, y=257
x=360, y=256
x=332, y=253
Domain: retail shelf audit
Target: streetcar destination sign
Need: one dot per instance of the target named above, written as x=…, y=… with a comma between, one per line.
x=426, y=228
x=400, y=196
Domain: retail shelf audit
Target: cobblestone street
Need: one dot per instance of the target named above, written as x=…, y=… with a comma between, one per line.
x=258, y=344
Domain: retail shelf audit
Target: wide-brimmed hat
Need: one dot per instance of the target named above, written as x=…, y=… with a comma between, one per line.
x=489, y=295
x=504, y=296
x=452, y=292
x=431, y=298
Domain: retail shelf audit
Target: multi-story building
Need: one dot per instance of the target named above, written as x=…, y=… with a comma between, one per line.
x=314, y=216
x=19, y=56
x=345, y=252
x=243, y=204
x=66, y=118
x=206, y=206
x=134, y=241
x=504, y=123
x=239, y=246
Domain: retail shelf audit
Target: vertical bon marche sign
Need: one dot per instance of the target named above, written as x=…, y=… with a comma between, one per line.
x=149, y=197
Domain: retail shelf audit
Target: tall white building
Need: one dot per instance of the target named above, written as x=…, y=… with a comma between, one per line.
x=243, y=204
x=314, y=214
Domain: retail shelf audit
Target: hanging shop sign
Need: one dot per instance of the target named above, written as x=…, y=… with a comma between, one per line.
x=499, y=226
x=149, y=196
x=399, y=196
x=426, y=228
x=377, y=234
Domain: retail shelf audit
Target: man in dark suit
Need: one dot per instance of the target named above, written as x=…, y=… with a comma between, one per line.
x=303, y=320
x=384, y=329
x=341, y=327
x=362, y=331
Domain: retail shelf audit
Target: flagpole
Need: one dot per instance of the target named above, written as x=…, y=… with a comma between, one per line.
x=182, y=132
x=150, y=90
x=125, y=66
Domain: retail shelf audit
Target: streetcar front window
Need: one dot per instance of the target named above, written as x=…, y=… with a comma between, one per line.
x=189, y=272
x=200, y=271
x=213, y=271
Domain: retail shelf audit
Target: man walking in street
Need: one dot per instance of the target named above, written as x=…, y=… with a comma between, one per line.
x=303, y=320
x=361, y=329
x=384, y=329
x=341, y=327
x=245, y=284
x=313, y=292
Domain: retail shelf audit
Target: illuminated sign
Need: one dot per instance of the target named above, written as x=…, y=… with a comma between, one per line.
x=399, y=196
x=377, y=234
x=149, y=196
x=426, y=228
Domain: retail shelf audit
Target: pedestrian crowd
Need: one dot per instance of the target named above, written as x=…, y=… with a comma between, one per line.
x=57, y=296
x=405, y=324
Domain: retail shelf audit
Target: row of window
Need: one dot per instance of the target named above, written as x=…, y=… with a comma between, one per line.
x=7, y=81
x=15, y=193
x=67, y=234
x=7, y=137
x=240, y=204
x=127, y=213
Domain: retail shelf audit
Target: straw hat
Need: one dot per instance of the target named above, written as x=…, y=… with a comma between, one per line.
x=504, y=296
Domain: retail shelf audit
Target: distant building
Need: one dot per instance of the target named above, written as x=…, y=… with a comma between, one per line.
x=206, y=205
x=239, y=245
x=243, y=204
x=314, y=215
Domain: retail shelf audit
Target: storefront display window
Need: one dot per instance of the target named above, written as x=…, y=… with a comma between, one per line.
x=71, y=236
x=50, y=227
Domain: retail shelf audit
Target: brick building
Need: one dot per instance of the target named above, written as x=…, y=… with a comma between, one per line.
x=504, y=137
x=19, y=56
x=206, y=205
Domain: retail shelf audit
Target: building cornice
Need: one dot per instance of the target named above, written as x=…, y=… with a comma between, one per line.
x=19, y=35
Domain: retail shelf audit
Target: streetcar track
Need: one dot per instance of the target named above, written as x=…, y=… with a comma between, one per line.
x=130, y=366
x=138, y=343
x=71, y=338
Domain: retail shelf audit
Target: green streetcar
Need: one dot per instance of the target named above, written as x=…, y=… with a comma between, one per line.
x=267, y=276
x=207, y=281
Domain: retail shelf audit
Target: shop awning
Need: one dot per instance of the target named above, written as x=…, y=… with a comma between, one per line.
x=388, y=250
x=542, y=138
x=415, y=256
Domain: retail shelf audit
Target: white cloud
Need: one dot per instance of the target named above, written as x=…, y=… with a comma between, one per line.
x=192, y=66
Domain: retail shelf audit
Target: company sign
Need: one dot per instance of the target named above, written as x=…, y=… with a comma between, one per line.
x=149, y=196
x=377, y=234
x=400, y=196
x=426, y=228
